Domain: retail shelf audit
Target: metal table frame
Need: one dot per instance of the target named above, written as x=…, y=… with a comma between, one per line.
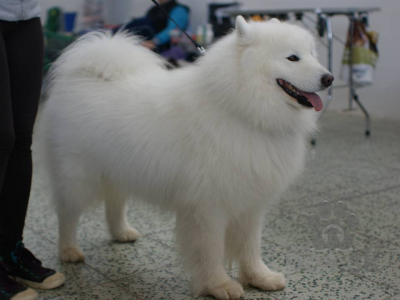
x=324, y=14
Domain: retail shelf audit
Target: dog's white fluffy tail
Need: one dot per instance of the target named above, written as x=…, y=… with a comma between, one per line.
x=105, y=56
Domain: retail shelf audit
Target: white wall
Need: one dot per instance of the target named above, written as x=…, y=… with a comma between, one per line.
x=382, y=99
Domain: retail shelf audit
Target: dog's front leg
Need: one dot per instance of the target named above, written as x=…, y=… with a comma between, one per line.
x=244, y=241
x=201, y=240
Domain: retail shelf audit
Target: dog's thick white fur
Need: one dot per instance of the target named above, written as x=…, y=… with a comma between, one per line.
x=217, y=142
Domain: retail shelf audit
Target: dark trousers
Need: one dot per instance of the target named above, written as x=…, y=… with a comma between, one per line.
x=21, y=69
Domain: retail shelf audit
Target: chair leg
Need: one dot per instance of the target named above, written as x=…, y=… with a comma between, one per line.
x=367, y=117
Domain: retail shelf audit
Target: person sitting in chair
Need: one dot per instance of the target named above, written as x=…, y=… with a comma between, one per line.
x=155, y=27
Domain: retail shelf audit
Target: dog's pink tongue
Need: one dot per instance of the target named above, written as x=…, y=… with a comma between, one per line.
x=314, y=99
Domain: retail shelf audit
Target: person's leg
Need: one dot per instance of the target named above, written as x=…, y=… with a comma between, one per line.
x=24, y=48
x=24, y=51
x=8, y=287
x=7, y=136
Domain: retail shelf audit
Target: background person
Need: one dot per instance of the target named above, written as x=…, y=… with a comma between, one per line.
x=155, y=27
x=21, y=69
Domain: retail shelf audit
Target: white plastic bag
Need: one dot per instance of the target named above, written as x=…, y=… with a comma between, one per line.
x=365, y=55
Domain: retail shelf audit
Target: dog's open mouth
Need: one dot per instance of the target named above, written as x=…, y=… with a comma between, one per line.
x=304, y=98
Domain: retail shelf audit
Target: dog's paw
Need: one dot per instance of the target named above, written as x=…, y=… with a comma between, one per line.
x=228, y=290
x=128, y=235
x=269, y=281
x=72, y=255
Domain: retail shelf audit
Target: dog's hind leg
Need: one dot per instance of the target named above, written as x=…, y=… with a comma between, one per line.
x=73, y=191
x=243, y=239
x=69, y=211
x=201, y=241
x=116, y=217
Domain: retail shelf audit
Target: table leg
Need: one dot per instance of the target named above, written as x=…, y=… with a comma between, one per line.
x=329, y=35
x=351, y=82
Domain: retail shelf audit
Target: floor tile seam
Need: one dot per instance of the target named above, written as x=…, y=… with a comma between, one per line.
x=109, y=280
x=303, y=228
x=161, y=231
x=387, y=285
x=262, y=298
x=384, y=206
x=112, y=241
x=391, y=297
x=304, y=269
x=158, y=231
x=364, y=277
x=98, y=272
x=373, y=192
x=135, y=294
x=295, y=207
x=331, y=263
x=149, y=234
x=161, y=262
x=152, y=239
x=85, y=249
x=36, y=232
x=133, y=274
x=397, y=245
x=95, y=286
x=125, y=288
x=337, y=198
x=273, y=242
x=365, y=235
x=55, y=255
x=160, y=242
x=366, y=193
x=390, y=168
x=118, y=281
x=287, y=247
x=88, y=288
x=170, y=289
x=58, y=294
x=387, y=226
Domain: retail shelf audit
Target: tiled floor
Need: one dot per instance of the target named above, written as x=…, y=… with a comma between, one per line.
x=344, y=166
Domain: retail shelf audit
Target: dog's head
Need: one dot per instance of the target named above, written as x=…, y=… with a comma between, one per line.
x=281, y=58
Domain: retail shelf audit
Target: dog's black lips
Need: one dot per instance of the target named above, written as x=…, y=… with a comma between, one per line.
x=293, y=92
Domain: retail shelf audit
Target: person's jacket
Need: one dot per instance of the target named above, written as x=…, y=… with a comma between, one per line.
x=162, y=25
x=19, y=10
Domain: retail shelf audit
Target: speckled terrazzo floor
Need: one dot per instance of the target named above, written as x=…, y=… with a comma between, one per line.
x=364, y=177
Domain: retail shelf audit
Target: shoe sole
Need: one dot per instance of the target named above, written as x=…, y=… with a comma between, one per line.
x=50, y=283
x=28, y=294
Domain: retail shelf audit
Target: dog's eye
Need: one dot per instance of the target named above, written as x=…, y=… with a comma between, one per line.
x=293, y=58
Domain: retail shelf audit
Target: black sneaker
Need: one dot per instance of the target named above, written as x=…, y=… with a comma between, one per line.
x=11, y=290
x=27, y=269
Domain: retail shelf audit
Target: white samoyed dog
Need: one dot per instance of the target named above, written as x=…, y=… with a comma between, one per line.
x=217, y=142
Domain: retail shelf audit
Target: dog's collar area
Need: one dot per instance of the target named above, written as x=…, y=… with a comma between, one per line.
x=294, y=92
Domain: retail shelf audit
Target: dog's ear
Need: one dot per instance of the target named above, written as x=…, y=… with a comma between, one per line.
x=274, y=20
x=243, y=30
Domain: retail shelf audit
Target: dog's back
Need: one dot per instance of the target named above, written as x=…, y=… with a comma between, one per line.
x=104, y=56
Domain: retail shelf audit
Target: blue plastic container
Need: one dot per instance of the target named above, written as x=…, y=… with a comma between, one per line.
x=69, y=21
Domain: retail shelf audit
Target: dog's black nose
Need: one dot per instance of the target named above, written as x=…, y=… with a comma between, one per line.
x=327, y=80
